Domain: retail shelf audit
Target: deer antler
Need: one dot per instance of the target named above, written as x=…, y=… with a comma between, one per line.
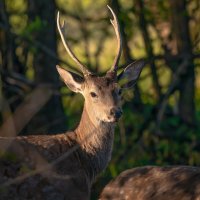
x=61, y=29
x=115, y=24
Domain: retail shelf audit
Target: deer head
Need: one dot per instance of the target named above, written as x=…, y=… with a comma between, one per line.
x=102, y=94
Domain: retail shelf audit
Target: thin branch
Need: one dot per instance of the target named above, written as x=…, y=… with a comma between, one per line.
x=23, y=114
x=38, y=44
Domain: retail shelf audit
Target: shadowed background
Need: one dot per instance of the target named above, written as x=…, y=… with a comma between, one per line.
x=160, y=125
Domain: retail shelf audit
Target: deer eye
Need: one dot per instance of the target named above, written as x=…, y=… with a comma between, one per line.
x=93, y=94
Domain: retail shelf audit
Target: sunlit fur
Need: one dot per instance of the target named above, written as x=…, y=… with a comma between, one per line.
x=99, y=107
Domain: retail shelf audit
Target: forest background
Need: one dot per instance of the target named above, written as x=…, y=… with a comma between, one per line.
x=161, y=119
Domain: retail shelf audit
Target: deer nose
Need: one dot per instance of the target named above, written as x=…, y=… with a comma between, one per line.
x=116, y=112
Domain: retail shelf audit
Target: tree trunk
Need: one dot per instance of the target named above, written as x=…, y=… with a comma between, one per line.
x=51, y=118
x=149, y=49
x=180, y=29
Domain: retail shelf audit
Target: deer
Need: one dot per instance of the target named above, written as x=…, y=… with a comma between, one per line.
x=65, y=165
x=155, y=183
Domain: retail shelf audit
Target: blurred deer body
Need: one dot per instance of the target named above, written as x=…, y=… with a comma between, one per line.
x=64, y=166
x=155, y=183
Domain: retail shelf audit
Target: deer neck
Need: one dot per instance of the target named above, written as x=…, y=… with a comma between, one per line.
x=96, y=141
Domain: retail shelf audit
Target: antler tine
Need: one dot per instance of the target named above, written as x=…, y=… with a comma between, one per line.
x=61, y=29
x=115, y=24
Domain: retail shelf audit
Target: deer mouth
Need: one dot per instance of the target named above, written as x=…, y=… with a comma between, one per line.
x=113, y=119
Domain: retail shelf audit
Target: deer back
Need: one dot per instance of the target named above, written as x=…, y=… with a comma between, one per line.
x=155, y=183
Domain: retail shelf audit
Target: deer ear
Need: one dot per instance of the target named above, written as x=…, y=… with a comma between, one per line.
x=129, y=76
x=72, y=80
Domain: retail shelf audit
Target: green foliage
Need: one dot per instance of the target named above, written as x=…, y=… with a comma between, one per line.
x=35, y=26
x=8, y=156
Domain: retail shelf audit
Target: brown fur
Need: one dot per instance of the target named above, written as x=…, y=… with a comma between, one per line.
x=155, y=183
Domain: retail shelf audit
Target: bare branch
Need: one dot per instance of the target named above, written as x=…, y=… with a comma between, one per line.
x=23, y=114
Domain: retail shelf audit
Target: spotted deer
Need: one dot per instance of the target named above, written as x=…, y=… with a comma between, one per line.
x=64, y=166
x=155, y=183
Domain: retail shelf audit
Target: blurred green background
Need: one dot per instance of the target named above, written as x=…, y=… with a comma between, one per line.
x=160, y=124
